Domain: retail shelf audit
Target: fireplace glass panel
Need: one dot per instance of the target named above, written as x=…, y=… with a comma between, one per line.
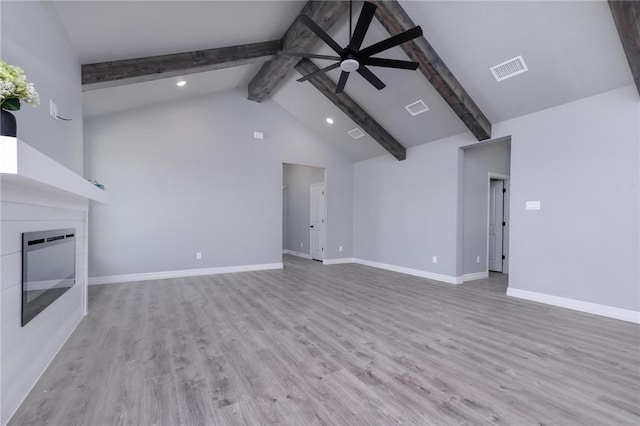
x=48, y=269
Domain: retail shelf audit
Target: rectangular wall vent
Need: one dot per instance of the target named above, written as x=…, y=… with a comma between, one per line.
x=509, y=68
x=418, y=107
x=356, y=133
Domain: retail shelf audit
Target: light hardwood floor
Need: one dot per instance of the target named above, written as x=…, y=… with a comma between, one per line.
x=335, y=345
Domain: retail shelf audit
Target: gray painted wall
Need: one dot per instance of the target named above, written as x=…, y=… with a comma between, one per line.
x=478, y=162
x=298, y=180
x=405, y=212
x=50, y=63
x=189, y=177
x=582, y=161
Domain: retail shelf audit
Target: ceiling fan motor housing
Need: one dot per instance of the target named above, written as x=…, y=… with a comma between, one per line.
x=349, y=65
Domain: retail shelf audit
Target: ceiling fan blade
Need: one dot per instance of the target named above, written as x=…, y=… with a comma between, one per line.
x=343, y=80
x=325, y=69
x=390, y=63
x=309, y=55
x=321, y=33
x=371, y=78
x=391, y=42
x=366, y=15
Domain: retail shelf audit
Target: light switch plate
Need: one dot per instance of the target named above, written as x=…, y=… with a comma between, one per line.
x=532, y=205
x=53, y=109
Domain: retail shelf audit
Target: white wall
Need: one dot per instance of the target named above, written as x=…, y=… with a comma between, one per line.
x=189, y=177
x=32, y=38
x=581, y=160
x=298, y=180
x=478, y=163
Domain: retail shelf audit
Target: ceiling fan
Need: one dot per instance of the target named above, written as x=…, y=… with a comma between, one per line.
x=351, y=58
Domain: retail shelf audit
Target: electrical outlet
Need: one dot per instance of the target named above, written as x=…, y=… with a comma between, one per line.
x=478, y=259
x=340, y=248
x=435, y=259
x=301, y=244
x=199, y=255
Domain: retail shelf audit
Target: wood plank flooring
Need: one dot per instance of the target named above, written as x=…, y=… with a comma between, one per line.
x=335, y=345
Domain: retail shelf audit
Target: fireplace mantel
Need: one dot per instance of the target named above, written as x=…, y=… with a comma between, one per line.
x=23, y=164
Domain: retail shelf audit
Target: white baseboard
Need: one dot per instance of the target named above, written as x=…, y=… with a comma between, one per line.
x=409, y=271
x=297, y=253
x=577, y=305
x=338, y=261
x=475, y=276
x=111, y=279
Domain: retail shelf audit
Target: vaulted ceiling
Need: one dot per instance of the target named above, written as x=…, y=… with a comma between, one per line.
x=572, y=50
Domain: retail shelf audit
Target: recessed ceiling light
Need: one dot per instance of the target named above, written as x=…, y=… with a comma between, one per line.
x=181, y=83
x=329, y=120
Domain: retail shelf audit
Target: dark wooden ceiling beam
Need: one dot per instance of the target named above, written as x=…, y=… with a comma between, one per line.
x=298, y=38
x=395, y=20
x=116, y=73
x=327, y=87
x=626, y=15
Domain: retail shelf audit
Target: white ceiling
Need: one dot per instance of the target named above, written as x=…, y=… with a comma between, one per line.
x=103, y=31
x=571, y=49
x=106, y=101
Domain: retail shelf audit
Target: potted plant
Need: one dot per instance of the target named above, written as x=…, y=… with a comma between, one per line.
x=14, y=87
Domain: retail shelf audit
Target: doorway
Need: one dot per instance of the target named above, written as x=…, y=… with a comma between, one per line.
x=498, y=224
x=486, y=168
x=303, y=211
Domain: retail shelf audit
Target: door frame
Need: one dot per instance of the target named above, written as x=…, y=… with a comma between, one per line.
x=505, y=218
x=323, y=231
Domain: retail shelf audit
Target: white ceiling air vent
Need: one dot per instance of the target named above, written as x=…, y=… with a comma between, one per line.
x=418, y=107
x=356, y=133
x=509, y=68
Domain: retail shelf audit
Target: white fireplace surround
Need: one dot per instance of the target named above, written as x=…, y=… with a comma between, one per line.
x=37, y=193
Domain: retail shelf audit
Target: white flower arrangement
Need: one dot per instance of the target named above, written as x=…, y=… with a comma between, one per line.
x=14, y=87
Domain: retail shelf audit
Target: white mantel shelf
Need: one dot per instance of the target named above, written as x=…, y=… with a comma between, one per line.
x=23, y=164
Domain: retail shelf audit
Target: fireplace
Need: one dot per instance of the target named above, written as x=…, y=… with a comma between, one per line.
x=48, y=269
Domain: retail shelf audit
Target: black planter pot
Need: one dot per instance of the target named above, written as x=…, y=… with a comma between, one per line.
x=8, y=126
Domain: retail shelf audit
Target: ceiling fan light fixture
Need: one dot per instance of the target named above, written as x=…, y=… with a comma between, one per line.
x=351, y=57
x=349, y=65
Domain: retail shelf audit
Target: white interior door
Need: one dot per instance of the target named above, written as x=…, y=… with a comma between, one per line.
x=496, y=205
x=285, y=218
x=317, y=221
x=505, y=229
